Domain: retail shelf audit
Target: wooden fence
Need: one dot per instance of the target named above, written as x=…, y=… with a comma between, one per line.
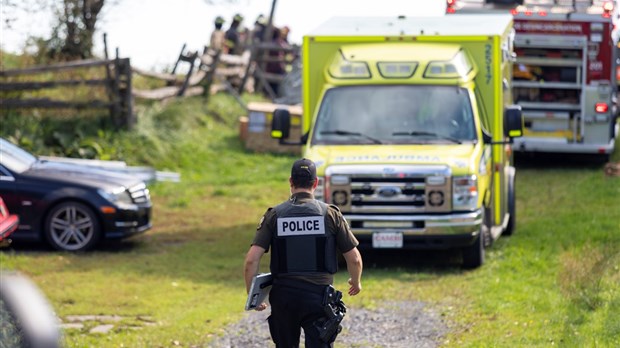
x=263, y=54
x=208, y=73
x=117, y=83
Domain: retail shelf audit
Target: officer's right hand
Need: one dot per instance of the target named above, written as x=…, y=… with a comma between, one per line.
x=355, y=287
x=261, y=307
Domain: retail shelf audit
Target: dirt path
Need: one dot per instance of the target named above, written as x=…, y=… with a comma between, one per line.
x=397, y=324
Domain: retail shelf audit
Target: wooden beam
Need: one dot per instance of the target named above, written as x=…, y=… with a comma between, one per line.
x=162, y=76
x=56, y=67
x=36, y=85
x=48, y=103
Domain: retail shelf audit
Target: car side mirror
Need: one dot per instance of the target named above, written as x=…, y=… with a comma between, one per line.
x=281, y=124
x=513, y=121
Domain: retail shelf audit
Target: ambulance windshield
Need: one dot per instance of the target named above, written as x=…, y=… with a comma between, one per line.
x=395, y=115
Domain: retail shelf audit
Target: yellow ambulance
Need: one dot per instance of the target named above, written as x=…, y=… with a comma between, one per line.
x=410, y=124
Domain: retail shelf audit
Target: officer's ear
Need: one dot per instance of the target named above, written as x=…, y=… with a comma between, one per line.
x=316, y=183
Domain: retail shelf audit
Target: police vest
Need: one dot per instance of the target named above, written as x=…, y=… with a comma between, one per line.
x=301, y=242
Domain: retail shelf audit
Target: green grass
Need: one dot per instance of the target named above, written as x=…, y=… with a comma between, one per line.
x=555, y=282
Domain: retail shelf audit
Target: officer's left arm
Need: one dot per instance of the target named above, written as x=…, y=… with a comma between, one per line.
x=252, y=262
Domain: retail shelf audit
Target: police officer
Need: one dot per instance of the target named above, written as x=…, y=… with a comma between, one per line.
x=305, y=236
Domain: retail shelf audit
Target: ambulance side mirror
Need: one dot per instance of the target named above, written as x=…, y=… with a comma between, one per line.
x=513, y=121
x=281, y=124
x=281, y=127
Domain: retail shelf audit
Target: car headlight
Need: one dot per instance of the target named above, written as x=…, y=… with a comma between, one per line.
x=465, y=192
x=118, y=196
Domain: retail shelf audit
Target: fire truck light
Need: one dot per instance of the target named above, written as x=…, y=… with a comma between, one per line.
x=514, y=11
x=450, y=6
x=601, y=108
x=542, y=13
x=528, y=12
x=608, y=8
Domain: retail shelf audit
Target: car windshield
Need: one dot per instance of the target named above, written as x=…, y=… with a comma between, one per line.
x=14, y=158
x=395, y=115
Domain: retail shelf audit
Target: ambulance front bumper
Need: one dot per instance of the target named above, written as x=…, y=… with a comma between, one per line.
x=429, y=231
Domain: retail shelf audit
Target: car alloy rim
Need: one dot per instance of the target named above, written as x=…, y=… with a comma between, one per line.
x=71, y=228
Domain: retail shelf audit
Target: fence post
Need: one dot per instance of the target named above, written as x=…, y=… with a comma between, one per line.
x=124, y=99
x=215, y=59
x=111, y=85
x=174, y=69
x=126, y=94
x=192, y=60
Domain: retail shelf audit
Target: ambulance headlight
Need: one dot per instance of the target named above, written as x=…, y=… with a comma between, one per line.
x=340, y=180
x=341, y=68
x=465, y=192
x=391, y=70
x=457, y=67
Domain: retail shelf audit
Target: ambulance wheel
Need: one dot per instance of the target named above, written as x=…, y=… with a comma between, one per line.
x=473, y=255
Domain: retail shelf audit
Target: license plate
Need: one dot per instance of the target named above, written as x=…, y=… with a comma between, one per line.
x=387, y=240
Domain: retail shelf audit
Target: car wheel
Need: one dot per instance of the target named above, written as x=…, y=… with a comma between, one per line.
x=72, y=226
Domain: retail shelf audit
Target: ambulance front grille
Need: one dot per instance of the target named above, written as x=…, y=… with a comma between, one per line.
x=384, y=190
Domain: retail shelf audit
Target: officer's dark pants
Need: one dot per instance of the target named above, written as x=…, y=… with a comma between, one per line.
x=296, y=304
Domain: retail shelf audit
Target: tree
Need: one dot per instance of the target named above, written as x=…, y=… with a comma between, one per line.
x=73, y=29
x=72, y=37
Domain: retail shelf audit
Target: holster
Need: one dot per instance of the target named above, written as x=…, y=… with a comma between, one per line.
x=329, y=326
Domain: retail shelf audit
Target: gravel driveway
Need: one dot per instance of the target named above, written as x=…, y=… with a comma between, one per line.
x=394, y=324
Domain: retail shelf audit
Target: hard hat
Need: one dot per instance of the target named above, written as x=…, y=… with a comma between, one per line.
x=219, y=20
x=262, y=20
x=238, y=18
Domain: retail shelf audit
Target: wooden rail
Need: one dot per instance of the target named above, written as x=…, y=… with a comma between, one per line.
x=116, y=79
x=119, y=98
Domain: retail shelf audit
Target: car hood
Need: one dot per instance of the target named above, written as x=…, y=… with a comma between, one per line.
x=80, y=175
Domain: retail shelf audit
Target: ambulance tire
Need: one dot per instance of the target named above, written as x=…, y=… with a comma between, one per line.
x=473, y=255
x=512, y=207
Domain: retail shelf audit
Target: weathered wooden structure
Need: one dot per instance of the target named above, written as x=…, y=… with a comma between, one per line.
x=116, y=81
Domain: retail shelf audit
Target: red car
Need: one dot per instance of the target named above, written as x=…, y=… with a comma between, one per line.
x=8, y=223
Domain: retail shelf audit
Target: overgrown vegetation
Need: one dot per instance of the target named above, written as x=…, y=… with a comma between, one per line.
x=554, y=283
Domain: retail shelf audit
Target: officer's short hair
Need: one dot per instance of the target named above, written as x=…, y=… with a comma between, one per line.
x=303, y=173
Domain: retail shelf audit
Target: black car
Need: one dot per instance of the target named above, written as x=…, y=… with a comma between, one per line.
x=70, y=206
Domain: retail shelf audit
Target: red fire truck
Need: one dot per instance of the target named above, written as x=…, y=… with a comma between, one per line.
x=565, y=72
